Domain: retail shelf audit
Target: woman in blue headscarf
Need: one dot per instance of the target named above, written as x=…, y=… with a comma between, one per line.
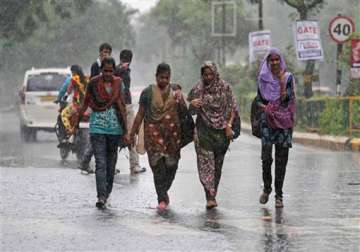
x=276, y=98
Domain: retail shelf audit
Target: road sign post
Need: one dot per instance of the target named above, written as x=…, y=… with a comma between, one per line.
x=340, y=29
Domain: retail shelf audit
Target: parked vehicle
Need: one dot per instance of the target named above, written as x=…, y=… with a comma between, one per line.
x=38, y=93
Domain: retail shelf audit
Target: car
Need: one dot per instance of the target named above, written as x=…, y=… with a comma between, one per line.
x=38, y=93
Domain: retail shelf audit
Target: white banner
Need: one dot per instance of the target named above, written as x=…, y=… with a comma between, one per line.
x=307, y=40
x=259, y=44
x=355, y=73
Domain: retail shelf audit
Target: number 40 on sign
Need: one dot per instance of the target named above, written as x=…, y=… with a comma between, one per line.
x=340, y=29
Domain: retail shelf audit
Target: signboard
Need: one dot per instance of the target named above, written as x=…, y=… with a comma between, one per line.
x=355, y=59
x=223, y=18
x=340, y=29
x=355, y=73
x=259, y=44
x=355, y=53
x=307, y=40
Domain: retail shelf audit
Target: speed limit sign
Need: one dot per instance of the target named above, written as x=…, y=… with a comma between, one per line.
x=340, y=29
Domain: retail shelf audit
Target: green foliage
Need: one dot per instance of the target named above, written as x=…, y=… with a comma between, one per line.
x=305, y=7
x=242, y=77
x=188, y=23
x=356, y=118
x=332, y=118
x=353, y=89
x=328, y=115
x=179, y=33
x=61, y=42
x=20, y=18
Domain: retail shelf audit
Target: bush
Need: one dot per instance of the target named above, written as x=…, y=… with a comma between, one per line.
x=333, y=117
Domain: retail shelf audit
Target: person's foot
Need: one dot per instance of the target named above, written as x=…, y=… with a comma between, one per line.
x=100, y=204
x=162, y=206
x=85, y=167
x=279, y=203
x=264, y=197
x=137, y=169
x=90, y=171
x=211, y=204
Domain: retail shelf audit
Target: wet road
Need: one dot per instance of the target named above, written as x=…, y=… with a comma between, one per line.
x=48, y=205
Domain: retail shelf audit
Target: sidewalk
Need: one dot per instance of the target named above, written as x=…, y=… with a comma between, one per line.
x=339, y=143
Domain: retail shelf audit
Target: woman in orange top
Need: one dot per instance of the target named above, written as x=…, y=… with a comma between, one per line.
x=77, y=87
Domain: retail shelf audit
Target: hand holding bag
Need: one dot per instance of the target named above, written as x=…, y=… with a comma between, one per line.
x=187, y=125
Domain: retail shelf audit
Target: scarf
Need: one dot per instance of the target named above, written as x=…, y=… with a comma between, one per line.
x=279, y=114
x=161, y=103
x=101, y=99
x=269, y=85
x=217, y=97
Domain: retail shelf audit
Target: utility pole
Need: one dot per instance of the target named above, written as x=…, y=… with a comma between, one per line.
x=223, y=42
x=261, y=25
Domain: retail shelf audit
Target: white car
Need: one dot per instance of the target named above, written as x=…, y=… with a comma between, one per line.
x=39, y=91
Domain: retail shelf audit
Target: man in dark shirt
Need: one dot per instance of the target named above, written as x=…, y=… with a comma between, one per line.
x=105, y=50
x=123, y=70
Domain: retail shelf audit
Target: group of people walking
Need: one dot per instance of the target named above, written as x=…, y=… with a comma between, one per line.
x=161, y=111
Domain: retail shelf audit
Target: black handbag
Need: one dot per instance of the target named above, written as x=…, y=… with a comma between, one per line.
x=187, y=125
x=236, y=126
x=255, y=118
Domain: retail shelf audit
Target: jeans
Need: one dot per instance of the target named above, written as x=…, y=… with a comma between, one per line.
x=281, y=159
x=105, y=150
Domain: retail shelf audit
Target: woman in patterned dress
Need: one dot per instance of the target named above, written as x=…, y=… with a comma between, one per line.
x=212, y=100
x=158, y=108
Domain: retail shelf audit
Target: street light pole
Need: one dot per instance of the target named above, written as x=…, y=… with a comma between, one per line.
x=223, y=43
x=261, y=25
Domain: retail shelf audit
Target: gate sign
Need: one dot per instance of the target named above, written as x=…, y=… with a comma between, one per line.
x=340, y=29
x=355, y=59
x=259, y=44
x=307, y=40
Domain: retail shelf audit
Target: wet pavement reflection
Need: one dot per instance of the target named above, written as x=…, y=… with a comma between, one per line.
x=49, y=205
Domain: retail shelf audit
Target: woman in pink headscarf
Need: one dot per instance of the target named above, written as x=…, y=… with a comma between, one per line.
x=276, y=98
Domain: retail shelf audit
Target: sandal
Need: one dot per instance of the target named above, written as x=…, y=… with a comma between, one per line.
x=211, y=204
x=279, y=203
x=264, y=197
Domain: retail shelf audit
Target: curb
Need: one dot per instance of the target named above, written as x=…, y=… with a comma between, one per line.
x=355, y=144
x=337, y=143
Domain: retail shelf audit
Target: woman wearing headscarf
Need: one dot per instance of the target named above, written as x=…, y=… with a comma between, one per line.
x=159, y=109
x=276, y=98
x=212, y=100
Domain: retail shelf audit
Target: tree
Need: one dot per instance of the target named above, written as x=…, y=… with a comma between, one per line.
x=188, y=23
x=20, y=18
x=304, y=7
x=260, y=13
x=61, y=42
